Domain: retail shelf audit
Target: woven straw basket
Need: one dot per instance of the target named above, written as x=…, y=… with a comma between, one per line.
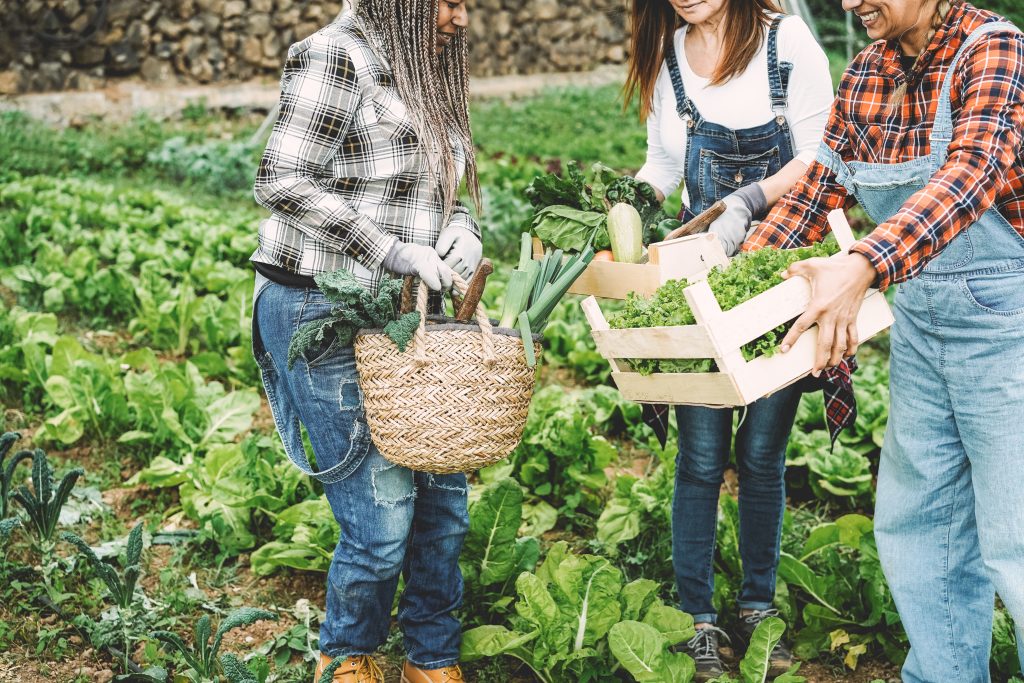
x=456, y=400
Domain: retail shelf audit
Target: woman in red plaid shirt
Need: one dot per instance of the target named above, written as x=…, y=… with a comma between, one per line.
x=926, y=134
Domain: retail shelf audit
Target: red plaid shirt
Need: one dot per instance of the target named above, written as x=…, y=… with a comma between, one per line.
x=985, y=167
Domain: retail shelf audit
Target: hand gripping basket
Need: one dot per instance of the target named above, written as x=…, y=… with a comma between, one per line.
x=456, y=400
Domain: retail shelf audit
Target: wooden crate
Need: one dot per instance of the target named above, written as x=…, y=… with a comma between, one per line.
x=684, y=258
x=720, y=335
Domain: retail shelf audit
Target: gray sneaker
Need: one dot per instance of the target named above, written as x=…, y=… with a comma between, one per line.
x=703, y=648
x=781, y=659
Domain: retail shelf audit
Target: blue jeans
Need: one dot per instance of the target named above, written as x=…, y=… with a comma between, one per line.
x=950, y=512
x=393, y=521
x=705, y=441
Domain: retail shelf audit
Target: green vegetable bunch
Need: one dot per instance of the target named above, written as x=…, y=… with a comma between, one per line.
x=572, y=211
x=746, y=276
x=355, y=309
x=564, y=616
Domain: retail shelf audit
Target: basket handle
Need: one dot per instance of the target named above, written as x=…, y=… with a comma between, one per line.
x=419, y=341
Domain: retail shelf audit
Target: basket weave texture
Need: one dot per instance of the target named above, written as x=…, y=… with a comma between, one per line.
x=456, y=400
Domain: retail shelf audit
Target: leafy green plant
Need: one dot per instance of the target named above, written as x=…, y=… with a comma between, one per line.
x=846, y=603
x=572, y=211
x=305, y=537
x=7, y=469
x=560, y=459
x=564, y=613
x=635, y=524
x=214, y=491
x=201, y=658
x=835, y=473
x=1005, y=657
x=494, y=553
x=43, y=503
x=121, y=589
x=7, y=527
x=88, y=390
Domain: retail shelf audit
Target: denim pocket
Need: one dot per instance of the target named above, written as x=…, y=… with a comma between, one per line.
x=315, y=306
x=726, y=173
x=996, y=293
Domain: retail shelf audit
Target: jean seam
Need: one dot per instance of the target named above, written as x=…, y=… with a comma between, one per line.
x=945, y=585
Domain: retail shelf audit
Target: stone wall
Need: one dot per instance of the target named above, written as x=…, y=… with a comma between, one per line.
x=88, y=44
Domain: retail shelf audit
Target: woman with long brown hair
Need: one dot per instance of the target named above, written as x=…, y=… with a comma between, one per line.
x=735, y=96
x=362, y=173
x=927, y=136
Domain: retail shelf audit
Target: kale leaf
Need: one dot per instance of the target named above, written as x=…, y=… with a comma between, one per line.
x=356, y=308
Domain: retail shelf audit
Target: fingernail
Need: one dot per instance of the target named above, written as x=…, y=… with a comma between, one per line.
x=816, y=373
x=784, y=348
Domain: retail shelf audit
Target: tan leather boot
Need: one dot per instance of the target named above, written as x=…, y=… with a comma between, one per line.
x=412, y=674
x=358, y=669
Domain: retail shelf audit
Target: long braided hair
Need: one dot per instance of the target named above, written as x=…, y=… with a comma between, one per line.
x=941, y=11
x=434, y=88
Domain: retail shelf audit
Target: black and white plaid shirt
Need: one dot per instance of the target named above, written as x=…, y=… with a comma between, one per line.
x=342, y=174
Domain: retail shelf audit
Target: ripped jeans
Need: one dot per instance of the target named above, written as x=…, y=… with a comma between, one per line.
x=393, y=521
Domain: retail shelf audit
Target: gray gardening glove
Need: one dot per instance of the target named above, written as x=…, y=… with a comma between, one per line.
x=421, y=261
x=460, y=249
x=741, y=207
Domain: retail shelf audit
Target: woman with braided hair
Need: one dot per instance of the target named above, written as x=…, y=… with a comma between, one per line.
x=361, y=172
x=926, y=134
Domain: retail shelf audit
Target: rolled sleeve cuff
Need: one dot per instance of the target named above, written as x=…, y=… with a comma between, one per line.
x=370, y=244
x=461, y=218
x=882, y=259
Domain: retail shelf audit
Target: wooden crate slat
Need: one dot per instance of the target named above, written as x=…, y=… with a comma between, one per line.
x=688, y=257
x=611, y=280
x=596, y=320
x=766, y=311
x=712, y=388
x=841, y=229
x=770, y=373
x=684, y=341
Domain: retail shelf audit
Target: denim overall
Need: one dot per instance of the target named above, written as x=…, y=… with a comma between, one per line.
x=950, y=510
x=718, y=162
x=393, y=521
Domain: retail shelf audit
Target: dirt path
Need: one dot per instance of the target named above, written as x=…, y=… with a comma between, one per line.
x=122, y=101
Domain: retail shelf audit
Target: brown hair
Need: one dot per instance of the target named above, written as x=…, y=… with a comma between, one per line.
x=941, y=10
x=654, y=23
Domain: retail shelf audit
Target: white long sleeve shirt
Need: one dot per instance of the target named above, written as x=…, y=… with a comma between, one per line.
x=742, y=102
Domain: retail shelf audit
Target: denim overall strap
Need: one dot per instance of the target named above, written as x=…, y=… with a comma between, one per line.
x=942, y=128
x=684, y=106
x=720, y=160
x=778, y=73
x=286, y=417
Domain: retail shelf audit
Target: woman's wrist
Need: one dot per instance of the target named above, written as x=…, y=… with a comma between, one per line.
x=755, y=200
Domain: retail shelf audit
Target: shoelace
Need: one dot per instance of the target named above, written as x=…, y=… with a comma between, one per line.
x=369, y=667
x=701, y=644
x=759, y=615
x=454, y=673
